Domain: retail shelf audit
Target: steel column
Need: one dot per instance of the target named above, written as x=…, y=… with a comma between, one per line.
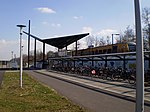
x=29, y=45
x=76, y=48
x=35, y=54
x=43, y=54
x=139, y=60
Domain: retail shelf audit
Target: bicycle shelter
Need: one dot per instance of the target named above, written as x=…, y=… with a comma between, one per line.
x=59, y=42
x=125, y=60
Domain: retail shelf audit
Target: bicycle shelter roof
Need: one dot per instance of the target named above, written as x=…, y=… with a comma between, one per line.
x=61, y=42
x=119, y=56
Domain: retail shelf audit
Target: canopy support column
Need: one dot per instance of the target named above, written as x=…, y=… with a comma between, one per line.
x=35, y=54
x=76, y=48
x=29, y=45
x=43, y=54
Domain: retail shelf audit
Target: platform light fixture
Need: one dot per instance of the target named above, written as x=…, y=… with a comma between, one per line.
x=113, y=37
x=21, y=48
x=139, y=60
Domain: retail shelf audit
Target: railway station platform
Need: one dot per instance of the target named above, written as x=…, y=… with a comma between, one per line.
x=122, y=90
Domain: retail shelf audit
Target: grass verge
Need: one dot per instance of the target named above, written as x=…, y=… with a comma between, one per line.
x=33, y=97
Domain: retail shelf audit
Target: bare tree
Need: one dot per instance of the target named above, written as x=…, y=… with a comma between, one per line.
x=108, y=40
x=39, y=55
x=96, y=41
x=73, y=47
x=146, y=16
x=102, y=41
x=25, y=60
x=78, y=45
x=90, y=40
x=50, y=54
x=129, y=35
x=146, y=29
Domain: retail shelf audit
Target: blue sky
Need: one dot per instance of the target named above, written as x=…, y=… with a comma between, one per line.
x=51, y=18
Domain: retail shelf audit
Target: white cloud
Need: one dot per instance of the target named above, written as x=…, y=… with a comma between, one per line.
x=56, y=25
x=6, y=47
x=102, y=33
x=45, y=23
x=46, y=10
x=106, y=32
x=87, y=30
x=77, y=17
x=6, y=43
x=83, y=43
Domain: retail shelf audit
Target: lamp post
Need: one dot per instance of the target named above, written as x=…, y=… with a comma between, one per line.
x=113, y=37
x=113, y=40
x=139, y=60
x=12, y=56
x=21, y=26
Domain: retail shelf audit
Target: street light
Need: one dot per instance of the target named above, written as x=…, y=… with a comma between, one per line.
x=113, y=40
x=21, y=26
x=113, y=37
x=139, y=60
x=12, y=55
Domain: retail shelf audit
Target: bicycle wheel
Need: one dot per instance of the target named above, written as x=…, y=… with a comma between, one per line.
x=131, y=80
x=115, y=77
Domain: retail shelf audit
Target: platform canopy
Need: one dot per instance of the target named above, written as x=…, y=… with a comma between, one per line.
x=61, y=42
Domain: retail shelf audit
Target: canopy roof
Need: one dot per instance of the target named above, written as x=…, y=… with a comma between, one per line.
x=61, y=42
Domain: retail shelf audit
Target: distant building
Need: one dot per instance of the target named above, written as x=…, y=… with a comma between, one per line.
x=4, y=63
x=13, y=64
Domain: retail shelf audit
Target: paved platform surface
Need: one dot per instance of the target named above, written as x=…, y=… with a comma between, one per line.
x=119, y=89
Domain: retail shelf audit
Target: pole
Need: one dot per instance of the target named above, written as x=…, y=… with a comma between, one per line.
x=43, y=55
x=29, y=45
x=112, y=39
x=15, y=58
x=112, y=44
x=20, y=58
x=76, y=48
x=120, y=38
x=21, y=47
x=12, y=56
x=139, y=60
x=35, y=54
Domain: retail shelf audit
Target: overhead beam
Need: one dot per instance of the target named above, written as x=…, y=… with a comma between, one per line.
x=33, y=36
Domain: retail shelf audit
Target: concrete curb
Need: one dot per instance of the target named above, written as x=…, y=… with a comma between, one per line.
x=93, y=79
